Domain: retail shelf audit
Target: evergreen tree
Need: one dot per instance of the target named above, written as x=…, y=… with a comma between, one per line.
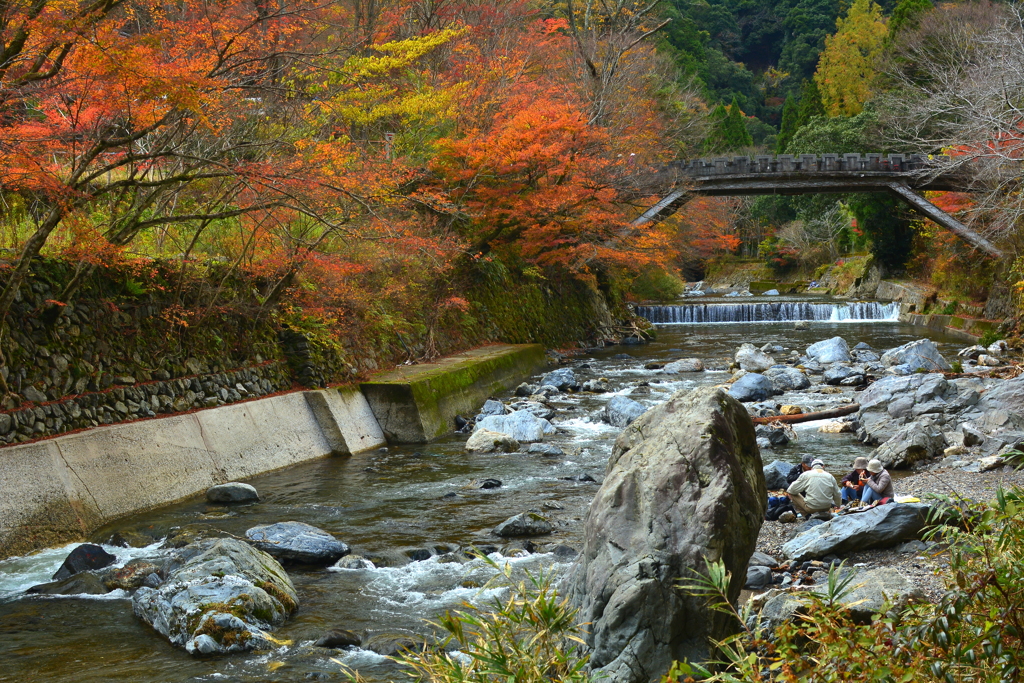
x=908, y=15
x=810, y=104
x=716, y=139
x=737, y=136
x=790, y=123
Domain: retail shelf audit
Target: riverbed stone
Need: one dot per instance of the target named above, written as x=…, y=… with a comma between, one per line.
x=753, y=359
x=752, y=387
x=83, y=583
x=84, y=558
x=338, y=639
x=685, y=484
x=487, y=441
x=129, y=577
x=232, y=492
x=621, y=411
x=787, y=379
x=918, y=355
x=523, y=524
x=834, y=350
x=522, y=425
x=546, y=449
x=220, y=596
x=845, y=375
x=297, y=542
x=887, y=404
x=683, y=365
x=775, y=474
x=562, y=379
x=491, y=407
x=880, y=527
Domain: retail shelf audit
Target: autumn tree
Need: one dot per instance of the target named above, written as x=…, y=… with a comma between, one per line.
x=848, y=64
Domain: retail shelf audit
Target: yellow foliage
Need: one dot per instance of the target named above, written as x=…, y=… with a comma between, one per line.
x=847, y=65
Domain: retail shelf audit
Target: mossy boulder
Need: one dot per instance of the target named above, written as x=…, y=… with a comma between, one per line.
x=220, y=596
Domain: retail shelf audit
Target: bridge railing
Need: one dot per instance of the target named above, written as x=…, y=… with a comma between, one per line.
x=808, y=163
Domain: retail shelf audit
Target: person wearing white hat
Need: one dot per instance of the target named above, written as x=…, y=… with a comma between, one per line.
x=877, y=484
x=815, y=492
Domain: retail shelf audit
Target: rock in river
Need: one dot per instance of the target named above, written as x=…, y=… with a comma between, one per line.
x=685, y=484
x=880, y=527
x=834, y=350
x=220, y=596
x=232, y=492
x=775, y=474
x=683, y=365
x=752, y=359
x=752, y=387
x=912, y=442
x=522, y=425
x=787, y=379
x=523, y=524
x=297, y=542
x=83, y=558
x=486, y=441
x=916, y=356
x=562, y=379
x=621, y=411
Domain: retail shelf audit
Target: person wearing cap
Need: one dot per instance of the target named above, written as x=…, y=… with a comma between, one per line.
x=851, y=485
x=815, y=492
x=798, y=469
x=877, y=483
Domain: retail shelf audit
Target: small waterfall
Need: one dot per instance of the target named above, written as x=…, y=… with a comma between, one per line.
x=769, y=312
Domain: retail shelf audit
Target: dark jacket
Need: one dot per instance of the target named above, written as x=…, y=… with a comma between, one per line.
x=794, y=474
x=853, y=477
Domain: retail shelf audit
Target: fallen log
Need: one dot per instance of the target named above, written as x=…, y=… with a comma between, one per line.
x=807, y=417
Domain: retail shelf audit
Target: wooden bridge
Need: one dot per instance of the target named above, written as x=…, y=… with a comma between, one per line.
x=899, y=174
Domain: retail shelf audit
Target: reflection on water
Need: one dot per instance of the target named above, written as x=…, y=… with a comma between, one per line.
x=384, y=503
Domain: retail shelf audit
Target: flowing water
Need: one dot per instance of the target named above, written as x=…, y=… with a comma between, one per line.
x=386, y=503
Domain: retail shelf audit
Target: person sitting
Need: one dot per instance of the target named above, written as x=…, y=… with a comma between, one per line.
x=877, y=484
x=798, y=469
x=851, y=485
x=815, y=492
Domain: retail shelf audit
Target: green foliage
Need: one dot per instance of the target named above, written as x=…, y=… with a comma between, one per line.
x=956, y=366
x=656, y=285
x=529, y=636
x=810, y=103
x=908, y=15
x=989, y=337
x=728, y=130
x=974, y=633
x=790, y=123
x=778, y=256
x=886, y=221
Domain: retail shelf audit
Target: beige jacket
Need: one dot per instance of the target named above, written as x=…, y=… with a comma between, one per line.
x=819, y=489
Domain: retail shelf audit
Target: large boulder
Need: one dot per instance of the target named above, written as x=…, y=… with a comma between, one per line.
x=880, y=527
x=752, y=387
x=910, y=444
x=844, y=375
x=522, y=425
x=1007, y=395
x=889, y=403
x=916, y=356
x=491, y=407
x=486, y=441
x=621, y=411
x=221, y=595
x=297, y=542
x=787, y=379
x=753, y=359
x=685, y=485
x=834, y=350
x=84, y=558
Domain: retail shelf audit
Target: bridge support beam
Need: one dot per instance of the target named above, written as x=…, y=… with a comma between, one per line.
x=671, y=203
x=925, y=207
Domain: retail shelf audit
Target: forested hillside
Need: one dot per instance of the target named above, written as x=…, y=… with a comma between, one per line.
x=386, y=168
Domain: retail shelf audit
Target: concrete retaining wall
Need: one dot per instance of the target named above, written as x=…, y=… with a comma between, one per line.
x=59, y=490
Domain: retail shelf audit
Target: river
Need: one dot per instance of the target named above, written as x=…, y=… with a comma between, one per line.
x=386, y=504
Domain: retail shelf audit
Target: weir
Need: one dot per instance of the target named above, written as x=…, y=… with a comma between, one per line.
x=769, y=312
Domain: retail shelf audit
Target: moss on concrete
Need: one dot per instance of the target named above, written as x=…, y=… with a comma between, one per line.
x=419, y=403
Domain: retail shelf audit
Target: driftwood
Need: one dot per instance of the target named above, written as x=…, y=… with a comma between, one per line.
x=807, y=417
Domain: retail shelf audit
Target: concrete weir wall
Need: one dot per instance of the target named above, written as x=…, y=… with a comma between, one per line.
x=60, y=489
x=419, y=403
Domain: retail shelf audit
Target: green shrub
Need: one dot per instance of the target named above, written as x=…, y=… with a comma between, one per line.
x=989, y=337
x=657, y=285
